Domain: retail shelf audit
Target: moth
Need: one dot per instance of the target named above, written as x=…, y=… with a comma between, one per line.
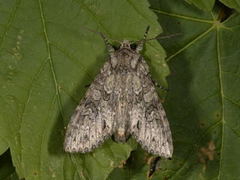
x=121, y=101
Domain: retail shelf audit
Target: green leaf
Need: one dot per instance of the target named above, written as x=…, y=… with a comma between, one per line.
x=203, y=102
x=203, y=4
x=47, y=58
x=235, y=4
x=136, y=167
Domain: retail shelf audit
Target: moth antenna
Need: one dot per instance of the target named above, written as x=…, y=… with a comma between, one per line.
x=158, y=37
x=142, y=42
x=109, y=46
x=91, y=30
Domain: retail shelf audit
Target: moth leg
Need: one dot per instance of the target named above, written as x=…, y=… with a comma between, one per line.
x=87, y=85
x=159, y=86
x=153, y=165
x=142, y=42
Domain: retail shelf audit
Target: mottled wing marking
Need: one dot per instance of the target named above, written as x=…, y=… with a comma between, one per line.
x=149, y=124
x=92, y=121
x=121, y=101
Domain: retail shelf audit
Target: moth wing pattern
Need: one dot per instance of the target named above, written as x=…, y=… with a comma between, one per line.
x=121, y=101
x=149, y=124
x=92, y=121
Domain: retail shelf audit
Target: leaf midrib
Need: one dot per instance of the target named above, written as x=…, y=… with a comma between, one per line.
x=222, y=100
x=50, y=57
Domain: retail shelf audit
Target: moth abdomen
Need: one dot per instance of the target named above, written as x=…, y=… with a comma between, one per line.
x=121, y=135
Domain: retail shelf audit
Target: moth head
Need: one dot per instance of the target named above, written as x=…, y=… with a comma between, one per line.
x=125, y=44
x=129, y=45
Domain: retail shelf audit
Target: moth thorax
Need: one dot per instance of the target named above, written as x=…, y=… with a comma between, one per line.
x=123, y=69
x=125, y=55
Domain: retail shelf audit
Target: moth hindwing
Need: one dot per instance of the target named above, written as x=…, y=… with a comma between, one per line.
x=120, y=102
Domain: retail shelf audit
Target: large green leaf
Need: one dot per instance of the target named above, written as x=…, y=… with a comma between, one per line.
x=203, y=102
x=47, y=58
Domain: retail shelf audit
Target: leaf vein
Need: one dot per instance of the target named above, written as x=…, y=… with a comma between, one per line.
x=183, y=16
x=53, y=72
x=135, y=8
x=90, y=12
x=191, y=43
x=73, y=59
x=41, y=163
x=222, y=100
x=232, y=101
x=192, y=150
x=30, y=89
x=233, y=130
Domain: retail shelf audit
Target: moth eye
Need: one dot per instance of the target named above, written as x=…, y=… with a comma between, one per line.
x=133, y=46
